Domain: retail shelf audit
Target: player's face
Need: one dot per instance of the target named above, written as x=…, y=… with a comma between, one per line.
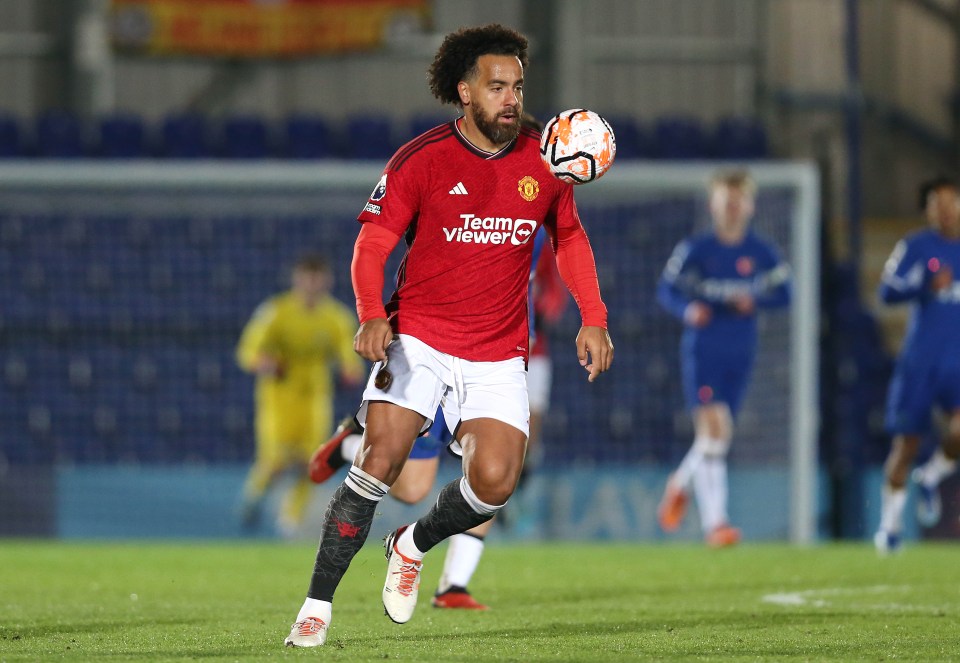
x=310, y=284
x=495, y=97
x=943, y=210
x=731, y=207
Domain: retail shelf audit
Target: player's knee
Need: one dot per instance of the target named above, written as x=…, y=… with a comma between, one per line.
x=713, y=447
x=493, y=482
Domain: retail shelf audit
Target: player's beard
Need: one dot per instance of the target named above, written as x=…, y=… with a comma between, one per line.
x=496, y=133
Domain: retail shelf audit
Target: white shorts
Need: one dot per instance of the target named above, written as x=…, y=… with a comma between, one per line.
x=539, y=376
x=424, y=379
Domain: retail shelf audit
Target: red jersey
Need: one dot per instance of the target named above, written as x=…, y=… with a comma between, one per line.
x=468, y=218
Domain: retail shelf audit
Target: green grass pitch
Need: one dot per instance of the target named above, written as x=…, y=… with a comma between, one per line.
x=551, y=602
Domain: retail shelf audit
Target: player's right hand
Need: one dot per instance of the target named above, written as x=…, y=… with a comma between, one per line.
x=697, y=314
x=372, y=339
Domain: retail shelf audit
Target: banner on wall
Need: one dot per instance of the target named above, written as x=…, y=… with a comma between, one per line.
x=261, y=28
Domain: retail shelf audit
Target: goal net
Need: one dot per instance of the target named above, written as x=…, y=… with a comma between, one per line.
x=124, y=287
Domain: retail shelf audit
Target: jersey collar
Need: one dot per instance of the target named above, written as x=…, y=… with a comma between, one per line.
x=483, y=154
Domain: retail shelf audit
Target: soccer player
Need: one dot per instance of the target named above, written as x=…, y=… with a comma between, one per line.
x=292, y=343
x=715, y=282
x=420, y=472
x=468, y=198
x=927, y=374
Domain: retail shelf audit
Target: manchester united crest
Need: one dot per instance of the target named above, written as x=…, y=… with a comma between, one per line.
x=529, y=188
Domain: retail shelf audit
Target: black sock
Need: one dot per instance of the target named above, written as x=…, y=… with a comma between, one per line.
x=346, y=525
x=452, y=514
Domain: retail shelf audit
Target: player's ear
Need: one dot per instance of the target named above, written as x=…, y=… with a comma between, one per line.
x=464, y=90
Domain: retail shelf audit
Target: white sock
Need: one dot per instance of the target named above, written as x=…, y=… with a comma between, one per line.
x=350, y=446
x=892, y=502
x=315, y=608
x=936, y=469
x=717, y=467
x=407, y=547
x=463, y=556
x=688, y=467
x=710, y=489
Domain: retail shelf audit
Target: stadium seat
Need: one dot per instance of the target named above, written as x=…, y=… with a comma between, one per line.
x=184, y=136
x=423, y=122
x=307, y=137
x=245, y=137
x=740, y=138
x=632, y=141
x=369, y=137
x=59, y=135
x=680, y=137
x=122, y=136
x=10, y=138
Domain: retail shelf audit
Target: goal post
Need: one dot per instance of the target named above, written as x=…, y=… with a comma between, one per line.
x=124, y=287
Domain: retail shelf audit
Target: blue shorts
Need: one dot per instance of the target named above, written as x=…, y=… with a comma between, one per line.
x=916, y=386
x=430, y=443
x=711, y=377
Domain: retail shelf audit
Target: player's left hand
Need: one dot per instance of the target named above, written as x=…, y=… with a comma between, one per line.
x=743, y=304
x=594, y=350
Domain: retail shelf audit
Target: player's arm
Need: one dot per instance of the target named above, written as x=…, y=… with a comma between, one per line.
x=578, y=269
x=676, y=289
x=771, y=287
x=905, y=275
x=254, y=350
x=373, y=247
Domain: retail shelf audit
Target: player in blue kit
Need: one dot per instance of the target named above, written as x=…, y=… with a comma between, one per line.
x=920, y=270
x=715, y=282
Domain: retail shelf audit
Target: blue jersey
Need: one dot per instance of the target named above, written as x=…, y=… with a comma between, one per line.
x=716, y=359
x=935, y=321
x=704, y=269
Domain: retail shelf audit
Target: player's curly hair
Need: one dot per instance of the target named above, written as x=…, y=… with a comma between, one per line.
x=456, y=59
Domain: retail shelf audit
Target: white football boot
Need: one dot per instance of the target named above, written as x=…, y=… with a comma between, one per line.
x=311, y=632
x=403, y=581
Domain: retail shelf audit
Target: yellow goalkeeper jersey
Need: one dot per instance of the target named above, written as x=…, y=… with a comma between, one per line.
x=308, y=343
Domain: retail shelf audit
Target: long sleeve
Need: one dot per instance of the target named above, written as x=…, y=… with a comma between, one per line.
x=904, y=277
x=255, y=338
x=671, y=294
x=370, y=253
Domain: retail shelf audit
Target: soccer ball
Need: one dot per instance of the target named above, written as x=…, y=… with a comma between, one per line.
x=577, y=146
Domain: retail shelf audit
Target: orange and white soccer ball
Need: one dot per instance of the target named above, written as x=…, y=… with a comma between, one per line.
x=577, y=146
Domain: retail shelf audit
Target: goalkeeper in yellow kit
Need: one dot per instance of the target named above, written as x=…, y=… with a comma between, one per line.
x=292, y=343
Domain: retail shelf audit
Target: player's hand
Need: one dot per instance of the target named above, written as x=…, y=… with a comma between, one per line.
x=942, y=278
x=743, y=303
x=697, y=314
x=594, y=350
x=372, y=339
x=269, y=366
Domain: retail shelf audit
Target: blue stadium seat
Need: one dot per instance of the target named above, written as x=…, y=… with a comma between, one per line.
x=245, y=137
x=307, y=137
x=632, y=141
x=680, y=137
x=10, y=138
x=369, y=137
x=740, y=138
x=185, y=136
x=423, y=122
x=122, y=136
x=59, y=135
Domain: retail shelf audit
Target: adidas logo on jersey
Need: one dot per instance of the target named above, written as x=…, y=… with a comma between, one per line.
x=458, y=190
